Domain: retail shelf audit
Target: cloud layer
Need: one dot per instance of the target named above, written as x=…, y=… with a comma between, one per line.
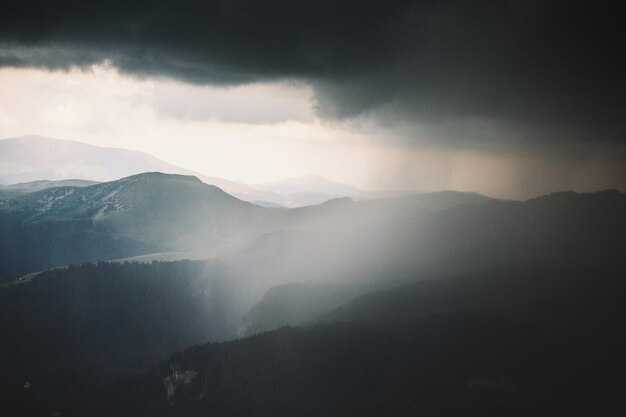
x=494, y=73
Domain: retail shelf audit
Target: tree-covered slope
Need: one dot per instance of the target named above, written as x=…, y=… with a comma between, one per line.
x=444, y=365
x=99, y=320
x=582, y=299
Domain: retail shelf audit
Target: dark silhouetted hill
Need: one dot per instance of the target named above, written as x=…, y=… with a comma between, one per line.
x=444, y=365
x=95, y=321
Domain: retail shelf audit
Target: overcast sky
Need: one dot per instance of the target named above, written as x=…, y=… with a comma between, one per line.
x=509, y=98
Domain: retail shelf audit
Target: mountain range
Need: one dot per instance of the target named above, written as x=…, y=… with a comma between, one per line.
x=442, y=303
x=34, y=158
x=445, y=232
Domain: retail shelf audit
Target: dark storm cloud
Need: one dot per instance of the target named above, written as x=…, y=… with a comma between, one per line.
x=458, y=70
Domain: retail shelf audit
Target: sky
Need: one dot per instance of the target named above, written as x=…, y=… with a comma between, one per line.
x=509, y=98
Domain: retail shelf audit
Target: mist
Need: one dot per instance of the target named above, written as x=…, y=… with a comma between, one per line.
x=313, y=208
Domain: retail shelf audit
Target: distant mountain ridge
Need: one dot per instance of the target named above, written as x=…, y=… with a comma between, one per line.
x=7, y=191
x=155, y=212
x=33, y=186
x=32, y=158
x=315, y=189
x=312, y=183
x=35, y=158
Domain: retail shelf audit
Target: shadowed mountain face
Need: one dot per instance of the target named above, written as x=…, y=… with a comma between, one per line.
x=520, y=340
x=297, y=304
x=585, y=300
x=448, y=365
x=100, y=320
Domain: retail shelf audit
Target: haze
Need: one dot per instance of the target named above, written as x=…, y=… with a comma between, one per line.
x=310, y=208
x=262, y=132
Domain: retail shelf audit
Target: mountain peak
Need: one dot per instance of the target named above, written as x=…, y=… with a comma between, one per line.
x=160, y=176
